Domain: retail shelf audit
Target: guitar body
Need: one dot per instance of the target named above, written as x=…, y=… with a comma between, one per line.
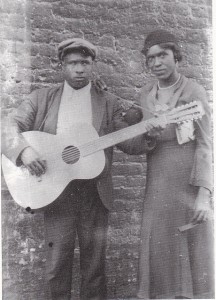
x=58, y=150
x=76, y=154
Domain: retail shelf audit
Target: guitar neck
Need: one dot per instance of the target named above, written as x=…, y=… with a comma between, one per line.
x=183, y=113
x=113, y=138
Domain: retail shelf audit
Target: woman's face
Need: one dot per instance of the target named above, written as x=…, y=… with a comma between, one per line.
x=161, y=62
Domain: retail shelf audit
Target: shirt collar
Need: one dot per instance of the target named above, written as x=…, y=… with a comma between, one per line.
x=69, y=90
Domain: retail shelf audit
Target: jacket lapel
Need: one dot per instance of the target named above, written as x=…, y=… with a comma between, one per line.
x=50, y=124
x=98, y=107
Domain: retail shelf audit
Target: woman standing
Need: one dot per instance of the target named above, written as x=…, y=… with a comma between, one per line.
x=175, y=264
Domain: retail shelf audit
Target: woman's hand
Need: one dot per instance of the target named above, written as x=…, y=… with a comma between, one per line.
x=100, y=84
x=153, y=128
x=202, y=206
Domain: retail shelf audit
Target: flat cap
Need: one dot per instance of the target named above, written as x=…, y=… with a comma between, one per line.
x=158, y=37
x=77, y=43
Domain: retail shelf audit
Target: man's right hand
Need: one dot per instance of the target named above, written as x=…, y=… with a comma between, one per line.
x=33, y=162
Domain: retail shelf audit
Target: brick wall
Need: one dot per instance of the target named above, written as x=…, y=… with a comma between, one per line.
x=31, y=30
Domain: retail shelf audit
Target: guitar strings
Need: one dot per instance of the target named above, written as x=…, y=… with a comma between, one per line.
x=90, y=147
x=91, y=144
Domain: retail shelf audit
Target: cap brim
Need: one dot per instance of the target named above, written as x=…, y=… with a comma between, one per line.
x=77, y=47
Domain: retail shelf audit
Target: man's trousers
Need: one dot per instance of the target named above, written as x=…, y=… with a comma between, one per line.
x=78, y=211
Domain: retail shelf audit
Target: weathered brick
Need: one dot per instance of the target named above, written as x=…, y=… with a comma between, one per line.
x=135, y=181
x=196, y=36
x=200, y=2
x=127, y=94
x=48, y=22
x=176, y=9
x=133, y=44
x=150, y=20
x=43, y=50
x=200, y=12
x=129, y=169
x=31, y=31
x=50, y=76
x=39, y=62
x=124, y=158
x=107, y=41
x=128, y=193
x=110, y=3
x=49, y=1
x=146, y=7
x=190, y=22
x=69, y=11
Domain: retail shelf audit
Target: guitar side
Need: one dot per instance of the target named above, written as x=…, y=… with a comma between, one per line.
x=36, y=192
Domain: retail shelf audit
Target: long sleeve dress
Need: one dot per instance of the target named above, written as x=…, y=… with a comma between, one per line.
x=172, y=263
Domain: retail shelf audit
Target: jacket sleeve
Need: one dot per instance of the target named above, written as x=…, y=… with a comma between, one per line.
x=22, y=119
x=202, y=173
x=122, y=119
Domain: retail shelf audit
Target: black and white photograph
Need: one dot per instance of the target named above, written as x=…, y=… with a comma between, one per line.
x=107, y=139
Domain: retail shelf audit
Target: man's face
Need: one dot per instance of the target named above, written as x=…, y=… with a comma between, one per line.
x=161, y=62
x=77, y=69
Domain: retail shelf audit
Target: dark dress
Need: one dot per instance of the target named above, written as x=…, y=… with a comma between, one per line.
x=174, y=263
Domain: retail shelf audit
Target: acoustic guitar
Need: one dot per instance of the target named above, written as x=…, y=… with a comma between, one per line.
x=76, y=154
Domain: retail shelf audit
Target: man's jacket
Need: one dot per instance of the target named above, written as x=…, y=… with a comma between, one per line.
x=40, y=112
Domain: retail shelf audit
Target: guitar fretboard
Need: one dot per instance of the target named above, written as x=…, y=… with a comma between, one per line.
x=182, y=113
x=113, y=138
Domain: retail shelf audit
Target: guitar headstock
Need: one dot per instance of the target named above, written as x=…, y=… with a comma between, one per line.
x=188, y=112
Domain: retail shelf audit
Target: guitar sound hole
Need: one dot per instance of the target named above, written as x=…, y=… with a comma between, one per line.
x=70, y=155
